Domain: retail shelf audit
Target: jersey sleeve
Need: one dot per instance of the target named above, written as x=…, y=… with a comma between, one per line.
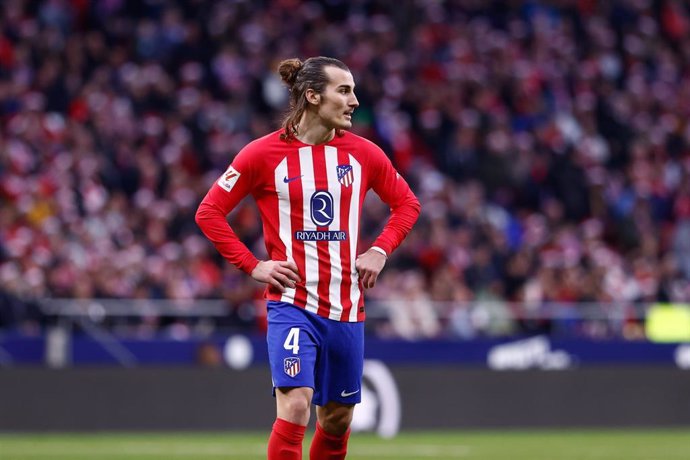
x=211, y=216
x=396, y=193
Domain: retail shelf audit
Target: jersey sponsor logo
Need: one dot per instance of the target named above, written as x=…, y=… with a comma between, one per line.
x=316, y=235
x=291, y=366
x=229, y=178
x=287, y=179
x=321, y=208
x=345, y=175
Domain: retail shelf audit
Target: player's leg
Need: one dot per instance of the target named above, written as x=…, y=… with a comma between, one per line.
x=287, y=434
x=292, y=356
x=294, y=404
x=335, y=418
x=332, y=431
x=339, y=379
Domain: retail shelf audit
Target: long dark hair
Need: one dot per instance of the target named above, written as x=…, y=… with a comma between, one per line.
x=299, y=77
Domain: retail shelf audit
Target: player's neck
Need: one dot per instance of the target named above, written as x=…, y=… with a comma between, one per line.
x=312, y=132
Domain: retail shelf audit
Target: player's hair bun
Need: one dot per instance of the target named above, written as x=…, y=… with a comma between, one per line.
x=288, y=70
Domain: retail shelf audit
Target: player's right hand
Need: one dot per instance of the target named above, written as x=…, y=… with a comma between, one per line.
x=280, y=274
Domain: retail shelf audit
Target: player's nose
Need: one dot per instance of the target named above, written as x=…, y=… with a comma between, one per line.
x=353, y=102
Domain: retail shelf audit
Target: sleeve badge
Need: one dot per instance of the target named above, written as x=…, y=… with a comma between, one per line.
x=229, y=178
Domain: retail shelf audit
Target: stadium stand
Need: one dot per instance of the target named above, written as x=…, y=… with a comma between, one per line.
x=549, y=143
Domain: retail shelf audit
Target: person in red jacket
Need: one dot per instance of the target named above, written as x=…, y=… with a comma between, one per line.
x=309, y=180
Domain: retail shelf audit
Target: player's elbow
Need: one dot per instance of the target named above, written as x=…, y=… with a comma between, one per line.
x=199, y=215
x=203, y=212
x=408, y=209
x=415, y=207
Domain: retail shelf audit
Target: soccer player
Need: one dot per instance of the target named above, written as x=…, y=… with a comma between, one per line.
x=309, y=180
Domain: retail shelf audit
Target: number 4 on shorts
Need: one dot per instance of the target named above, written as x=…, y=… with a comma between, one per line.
x=292, y=340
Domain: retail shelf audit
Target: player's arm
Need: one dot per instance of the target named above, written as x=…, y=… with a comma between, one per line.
x=221, y=199
x=405, y=209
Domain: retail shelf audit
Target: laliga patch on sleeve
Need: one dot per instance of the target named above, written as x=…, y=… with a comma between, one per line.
x=228, y=179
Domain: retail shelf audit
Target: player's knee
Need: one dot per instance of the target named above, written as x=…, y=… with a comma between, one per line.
x=294, y=404
x=297, y=408
x=337, y=421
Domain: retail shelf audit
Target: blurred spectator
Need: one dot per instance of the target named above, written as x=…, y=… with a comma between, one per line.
x=548, y=142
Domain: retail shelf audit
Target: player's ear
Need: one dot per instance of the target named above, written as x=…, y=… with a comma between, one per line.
x=312, y=96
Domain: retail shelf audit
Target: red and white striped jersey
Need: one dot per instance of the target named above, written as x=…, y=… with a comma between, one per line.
x=310, y=199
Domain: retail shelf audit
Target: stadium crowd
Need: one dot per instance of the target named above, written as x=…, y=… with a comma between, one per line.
x=549, y=143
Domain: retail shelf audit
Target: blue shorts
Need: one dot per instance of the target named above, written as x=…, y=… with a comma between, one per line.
x=306, y=350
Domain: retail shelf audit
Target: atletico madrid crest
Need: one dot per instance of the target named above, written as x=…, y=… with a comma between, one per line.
x=291, y=366
x=345, y=175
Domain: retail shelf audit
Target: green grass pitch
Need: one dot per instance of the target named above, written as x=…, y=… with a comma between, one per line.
x=654, y=444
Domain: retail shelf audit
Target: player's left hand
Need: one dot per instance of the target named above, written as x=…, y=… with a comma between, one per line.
x=369, y=265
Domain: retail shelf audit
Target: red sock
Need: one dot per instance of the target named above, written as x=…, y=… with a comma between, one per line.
x=285, y=442
x=327, y=446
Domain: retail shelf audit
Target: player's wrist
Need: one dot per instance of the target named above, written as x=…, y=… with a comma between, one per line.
x=379, y=250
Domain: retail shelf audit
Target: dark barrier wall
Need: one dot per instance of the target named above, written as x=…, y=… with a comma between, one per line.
x=134, y=399
x=432, y=397
x=439, y=398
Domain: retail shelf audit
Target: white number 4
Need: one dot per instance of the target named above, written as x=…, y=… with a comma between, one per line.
x=292, y=340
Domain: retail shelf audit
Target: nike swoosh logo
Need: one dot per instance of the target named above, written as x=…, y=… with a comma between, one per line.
x=286, y=179
x=344, y=394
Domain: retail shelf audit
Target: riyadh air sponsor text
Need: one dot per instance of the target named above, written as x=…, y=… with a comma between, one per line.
x=320, y=235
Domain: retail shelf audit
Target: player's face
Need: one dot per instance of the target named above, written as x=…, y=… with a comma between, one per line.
x=338, y=100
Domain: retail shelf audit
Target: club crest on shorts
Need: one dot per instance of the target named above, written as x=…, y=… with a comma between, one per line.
x=345, y=175
x=291, y=366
